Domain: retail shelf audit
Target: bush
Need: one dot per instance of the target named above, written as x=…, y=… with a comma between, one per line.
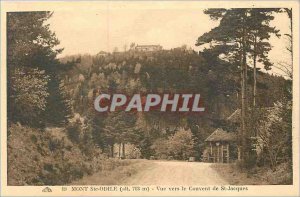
x=22, y=106
x=73, y=131
x=179, y=146
x=48, y=157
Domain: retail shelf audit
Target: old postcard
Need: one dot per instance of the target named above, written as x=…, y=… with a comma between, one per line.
x=154, y=98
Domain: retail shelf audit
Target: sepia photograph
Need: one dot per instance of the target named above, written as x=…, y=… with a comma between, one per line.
x=187, y=99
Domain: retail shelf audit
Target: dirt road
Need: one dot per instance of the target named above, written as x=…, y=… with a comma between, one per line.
x=176, y=173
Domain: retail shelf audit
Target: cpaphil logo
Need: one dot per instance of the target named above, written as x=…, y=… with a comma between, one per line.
x=47, y=189
x=149, y=102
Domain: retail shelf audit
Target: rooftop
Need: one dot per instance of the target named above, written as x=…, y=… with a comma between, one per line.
x=235, y=116
x=221, y=135
x=149, y=45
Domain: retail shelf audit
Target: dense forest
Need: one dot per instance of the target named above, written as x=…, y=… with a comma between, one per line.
x=56, y=136
x=176, y=70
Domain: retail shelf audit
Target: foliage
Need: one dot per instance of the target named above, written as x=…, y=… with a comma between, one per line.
x=275, y=134
x=30, y=41
x=242, y=34
x=74, y=131
x=179, y=146
x=161, y=148
x=43, y=158
x=29, y=95
x=46, y=91
x=216, y=80
x=32, y=47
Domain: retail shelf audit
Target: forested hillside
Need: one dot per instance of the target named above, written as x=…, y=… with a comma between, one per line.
x=176, y=71
x=56, y=136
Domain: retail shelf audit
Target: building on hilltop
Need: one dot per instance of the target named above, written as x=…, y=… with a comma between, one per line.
x=147, y=48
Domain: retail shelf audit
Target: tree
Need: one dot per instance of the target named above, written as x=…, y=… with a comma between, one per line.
x=287, y=67
x=58, y=109
x=289, y=12
x=241, y=33
x=181, y=144
x=161, y=148
x=260, y=31
x=28, y=96
x=132, y=46
x=275, y=133
x=119, y=128
x=232, y=33
x=30, y=42
x=32, y=45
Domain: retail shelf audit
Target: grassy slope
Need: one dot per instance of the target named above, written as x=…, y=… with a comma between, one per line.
x=255, y=176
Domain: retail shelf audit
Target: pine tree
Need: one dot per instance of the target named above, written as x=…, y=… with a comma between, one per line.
x=260, y=31
x=32, y=45
x=232, y=33
x=242, y=33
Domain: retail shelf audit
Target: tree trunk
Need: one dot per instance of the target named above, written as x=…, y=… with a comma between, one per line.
x=241, y=130
x=123, y=150
x=291, y=24
x=290, y=15
x=120, y=151
x=112, y=150
x=254, y=71
x=244, y=95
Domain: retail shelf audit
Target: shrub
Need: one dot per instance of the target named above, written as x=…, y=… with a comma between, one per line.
x=46, y=158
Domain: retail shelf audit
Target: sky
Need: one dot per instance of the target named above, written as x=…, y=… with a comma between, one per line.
x=93, y=31
x=89, y=31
